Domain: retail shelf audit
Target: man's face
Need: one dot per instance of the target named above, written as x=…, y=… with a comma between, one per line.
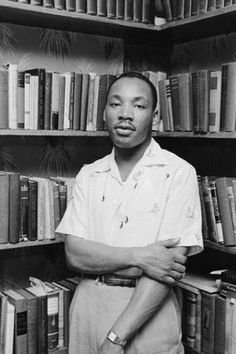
x=129, y=112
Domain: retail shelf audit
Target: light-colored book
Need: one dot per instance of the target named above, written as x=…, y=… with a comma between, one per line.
x=12, y=95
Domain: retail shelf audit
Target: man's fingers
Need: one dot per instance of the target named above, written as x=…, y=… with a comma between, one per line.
x=181, y=259
x=179, y=268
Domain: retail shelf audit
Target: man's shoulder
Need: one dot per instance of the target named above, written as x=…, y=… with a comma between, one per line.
x=100, y=165
x=176, y=162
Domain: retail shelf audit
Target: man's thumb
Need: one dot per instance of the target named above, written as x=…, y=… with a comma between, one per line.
x=170, y=242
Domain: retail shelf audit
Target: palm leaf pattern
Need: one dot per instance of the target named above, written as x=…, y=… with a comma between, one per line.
x=55, y=42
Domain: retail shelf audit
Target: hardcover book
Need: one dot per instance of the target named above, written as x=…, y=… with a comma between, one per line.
x=3, y=99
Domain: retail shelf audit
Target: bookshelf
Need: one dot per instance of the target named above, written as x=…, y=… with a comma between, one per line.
x=217, y=22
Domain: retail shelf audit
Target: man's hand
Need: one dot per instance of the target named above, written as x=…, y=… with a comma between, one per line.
x=159, y=262
x=110, y=348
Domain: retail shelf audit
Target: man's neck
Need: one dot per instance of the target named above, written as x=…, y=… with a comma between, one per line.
x=127, y=159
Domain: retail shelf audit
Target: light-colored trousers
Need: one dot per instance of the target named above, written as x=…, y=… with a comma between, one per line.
x=94, y=309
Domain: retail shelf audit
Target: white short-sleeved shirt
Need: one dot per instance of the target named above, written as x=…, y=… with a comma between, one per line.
x=159, y=200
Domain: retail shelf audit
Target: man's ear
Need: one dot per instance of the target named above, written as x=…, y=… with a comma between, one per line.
x=155, y=116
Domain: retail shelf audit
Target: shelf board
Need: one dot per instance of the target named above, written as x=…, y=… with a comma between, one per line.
x=215, y=246
x=80, y=133
x=209, y=24
x=8, y=246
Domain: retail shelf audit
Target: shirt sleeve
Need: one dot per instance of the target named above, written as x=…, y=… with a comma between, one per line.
x=182, y=216
x=75, y=219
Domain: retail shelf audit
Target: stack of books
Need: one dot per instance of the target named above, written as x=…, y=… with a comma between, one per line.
x=35, y=319
x=31, y=207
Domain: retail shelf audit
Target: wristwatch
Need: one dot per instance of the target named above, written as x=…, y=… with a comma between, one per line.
x=114, y=338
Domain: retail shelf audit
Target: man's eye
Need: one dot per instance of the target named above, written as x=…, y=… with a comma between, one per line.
x=113, y=104
x=139, y=106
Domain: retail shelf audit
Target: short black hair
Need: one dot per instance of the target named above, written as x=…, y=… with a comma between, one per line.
x=137, y=75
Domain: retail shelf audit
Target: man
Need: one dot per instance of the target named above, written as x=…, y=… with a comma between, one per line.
x=134, y=217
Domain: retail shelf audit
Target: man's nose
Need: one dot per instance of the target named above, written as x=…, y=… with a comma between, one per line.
x=126, y=112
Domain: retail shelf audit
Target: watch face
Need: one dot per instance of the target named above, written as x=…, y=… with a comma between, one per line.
x=114, y=338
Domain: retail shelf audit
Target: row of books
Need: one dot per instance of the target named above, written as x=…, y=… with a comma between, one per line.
x=208, y=312
x=31, y=207
x=35, y=319
x=218, y=205
x=179, y=9
x=41, y=99
x=128, y=10
x=201, y=101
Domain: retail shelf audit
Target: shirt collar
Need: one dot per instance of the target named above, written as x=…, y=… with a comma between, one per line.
x=153, y=155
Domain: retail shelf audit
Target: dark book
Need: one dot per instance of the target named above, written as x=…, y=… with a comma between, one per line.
x=165, y=104
x=61, y=108
x=42, y=317
x=71, y=108
x=148, y=11
x=40, y=73
x=4, y=207
x=102, y=8
x=20, y=323
x=203, y=100
x=174, y=9
x=167, y=10
x=219, y=229
x=14, y=207
x=208, y=322
x=77, y=101
x=175, y=101
x=215, y=80
x=56, y=205
x=102, y=95
x=210, y=213
x=219, y=4
x=220, y=313
x=70, y=5
x=32, y=321
x=48, y=100
x=24, y=208
x=120, y=9
x=33, y=209
x=205, y=232
x=185, y=101
x=190, y=318
x=187, y=8
x=227, y=2
x=111, y=8
x=211, y=5
x=80, y=6
x=139, y=12
x=4, y=99
x=203, y=6
x=225, y=211
x=91, y=7
x=180, y=12
x=194, y=8
x=129, y=10
x=84, y=101
x=196, y=101
x=62, y=188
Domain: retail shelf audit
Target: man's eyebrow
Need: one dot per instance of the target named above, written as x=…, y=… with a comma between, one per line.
x=134, y=99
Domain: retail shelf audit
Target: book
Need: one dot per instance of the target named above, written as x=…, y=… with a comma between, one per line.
x=232, y=203
x=120, y=9
x=211, y=5
x=230, y=321
x=187, y=8
x=219, y=229
x=32, y=210
x=80, y=6
x=205, y=232
x=20, y=323
x=225, y=211
x=102, y=8
x=189, y=318
x=84, y=102
x=59, y=4
x=99, y=107
x=54, y=118
x=215, y=79
x=4, y=99
x=203, y=101
x=175, y=101
x=77, y=101
x=12, y=95
x=4, y=207
x=71, y=101
x=165, y=105
x=185, y=101
x=48, y=99
x=42, y=317
x=40, y=73
x=228, y=104
x=70, y=5
x=210, y=213
x=20, y=99
x=180, y=9
x=174, y=9
x=27, y=118
x=91, y=88
x=159, y=17
x=91, y=7
x=167, y=10
x=203, y=6
x=33, y=102
x=111, y=8
x=195, y=8
x=208, y=322
x=140, y=12
x=32, y=320
x=196, y=101
x=14, y=207
x=9, y=328
x=3, y=319
x=148, y=11
x=61, y=108
x=24, y=208
x=220, y=314
x=129, y=10
x=219, y=4
x=48, y=3
x=67, y=99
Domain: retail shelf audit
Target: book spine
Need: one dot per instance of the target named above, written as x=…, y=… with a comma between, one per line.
x=167, y=10
x=56, y=205
x=12, y=96
x=195, y=8
x=174, y=9
x=91, y=7
x=219, y=4
x=187, y=8
x=129, y=10
x=84, y=101
x=20, y=99
x=47, y=105
x=62, y=199
x=102, y=8
x=27, y=102
x=71, y=108
x=14, y=207
x=230, y=109
x=220, y=312
x=59, y=4
x=214, y=97
x=4, y=207
x=140, y=11
x=77, y=101
x=208, y=322
x=52, y=320
x=32, y=217
x=55, y=102
x=48, y=3
x=120, y=9
x=41, y=99
x=209, y=209
x=211, y=5
x=61, y=102
x=174, y=88
x=24, y=208
x=4, y=100
x=111, y=8
x=203, y=6
x=203, y=101
x=232, y=207
x=186, y=106
x=212, y=186
x=70, y=5
x=80, y=6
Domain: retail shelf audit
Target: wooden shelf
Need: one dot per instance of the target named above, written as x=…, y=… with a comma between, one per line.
x=80, y=133
x=8, y=246
x=218, y=247
x=219, y=21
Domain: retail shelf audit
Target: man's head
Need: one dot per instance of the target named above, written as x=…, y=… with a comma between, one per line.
x=130, y=108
